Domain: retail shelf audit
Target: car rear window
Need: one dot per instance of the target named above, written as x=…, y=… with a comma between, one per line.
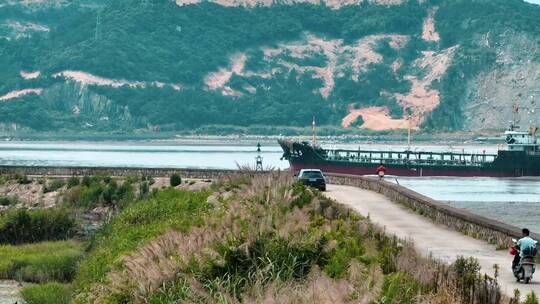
x=311, y=174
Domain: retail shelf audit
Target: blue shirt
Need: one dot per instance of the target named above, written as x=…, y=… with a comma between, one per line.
x=525, y=243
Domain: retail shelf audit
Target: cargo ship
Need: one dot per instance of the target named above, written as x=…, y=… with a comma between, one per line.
x=518, y=156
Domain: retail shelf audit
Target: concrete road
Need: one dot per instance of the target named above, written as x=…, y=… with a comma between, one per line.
x=430, y=238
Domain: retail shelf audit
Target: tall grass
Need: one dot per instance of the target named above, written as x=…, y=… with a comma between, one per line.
x=267, y=240
x=30, y=226
x=49, y=293
x=135, y=226
x=256, y=241
x=400, y=288
x=41, y=262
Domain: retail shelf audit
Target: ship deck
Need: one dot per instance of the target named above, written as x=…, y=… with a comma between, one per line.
x=408, y=157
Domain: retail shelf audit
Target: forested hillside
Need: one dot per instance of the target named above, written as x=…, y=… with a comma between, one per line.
x=161, y=65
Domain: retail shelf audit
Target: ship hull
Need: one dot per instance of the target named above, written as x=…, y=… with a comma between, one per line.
x=412, y=172
x=504, y=164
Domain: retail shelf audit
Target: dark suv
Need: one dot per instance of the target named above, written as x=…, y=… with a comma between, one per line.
x=313, y=178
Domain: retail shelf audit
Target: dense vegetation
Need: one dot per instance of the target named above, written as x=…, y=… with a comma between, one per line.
x=41, y=262
x=163, y=42
x=22, y=226
x=95, y=191
x=247, y=238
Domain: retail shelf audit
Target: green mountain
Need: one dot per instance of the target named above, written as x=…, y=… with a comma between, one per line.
x=163, y=65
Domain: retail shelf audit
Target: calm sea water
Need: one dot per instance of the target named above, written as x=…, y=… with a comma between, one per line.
x=510, y=200
x=137, y=155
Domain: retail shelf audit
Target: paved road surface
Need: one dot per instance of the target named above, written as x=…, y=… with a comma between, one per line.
x=428, y=237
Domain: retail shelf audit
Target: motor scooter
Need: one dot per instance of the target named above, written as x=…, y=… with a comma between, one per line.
x=526, y=266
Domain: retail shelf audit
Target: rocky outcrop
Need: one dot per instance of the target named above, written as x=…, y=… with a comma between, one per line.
x=513, y=80
x=78, y=100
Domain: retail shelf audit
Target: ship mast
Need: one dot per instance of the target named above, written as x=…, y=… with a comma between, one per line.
x=409, y=127
x=409, y=132
x=515, y=112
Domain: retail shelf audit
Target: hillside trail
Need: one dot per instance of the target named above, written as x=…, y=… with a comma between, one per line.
x=429, y=238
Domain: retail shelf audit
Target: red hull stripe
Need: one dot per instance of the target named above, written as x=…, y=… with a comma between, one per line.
x=397, y=171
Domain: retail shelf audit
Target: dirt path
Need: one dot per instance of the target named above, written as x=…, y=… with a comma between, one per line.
x=430, y=238
x=9, y=292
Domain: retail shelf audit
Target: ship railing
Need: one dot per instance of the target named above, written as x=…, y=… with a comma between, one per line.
x=412, y=158
x=533, y=153
x=409, y=161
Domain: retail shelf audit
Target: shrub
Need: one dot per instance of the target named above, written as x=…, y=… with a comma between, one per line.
x=106, y=179
x=144, y=189
x=22, y=226
x=41, y=262
x=267, y=260
x=7, y=201
x=99, y=191
x=23, y=179
x=175, y=180
x=50, y=293
x=302, y=196
x=73, y=181
x=349, y=247
x=86, y=181
x=54, y=185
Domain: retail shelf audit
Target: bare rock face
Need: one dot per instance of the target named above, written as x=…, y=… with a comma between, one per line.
x=513, y=81
x=77, y=99
x=335, y=4
x=29, y=195
x=99, y=214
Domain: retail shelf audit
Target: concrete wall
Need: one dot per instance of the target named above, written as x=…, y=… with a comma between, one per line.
x=494, y=232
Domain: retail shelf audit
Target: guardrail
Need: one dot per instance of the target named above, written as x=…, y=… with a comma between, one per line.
x=471, y=224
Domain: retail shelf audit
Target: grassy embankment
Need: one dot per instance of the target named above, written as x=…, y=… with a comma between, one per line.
x=248, y=239
x=258, y=240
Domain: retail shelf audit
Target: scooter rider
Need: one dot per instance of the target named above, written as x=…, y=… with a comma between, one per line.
x=525, y=244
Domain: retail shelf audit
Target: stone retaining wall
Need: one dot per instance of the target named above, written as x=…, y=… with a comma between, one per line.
x=113, y=171
x=493, y=231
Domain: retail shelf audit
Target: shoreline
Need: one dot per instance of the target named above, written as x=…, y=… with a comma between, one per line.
x=247, y=140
